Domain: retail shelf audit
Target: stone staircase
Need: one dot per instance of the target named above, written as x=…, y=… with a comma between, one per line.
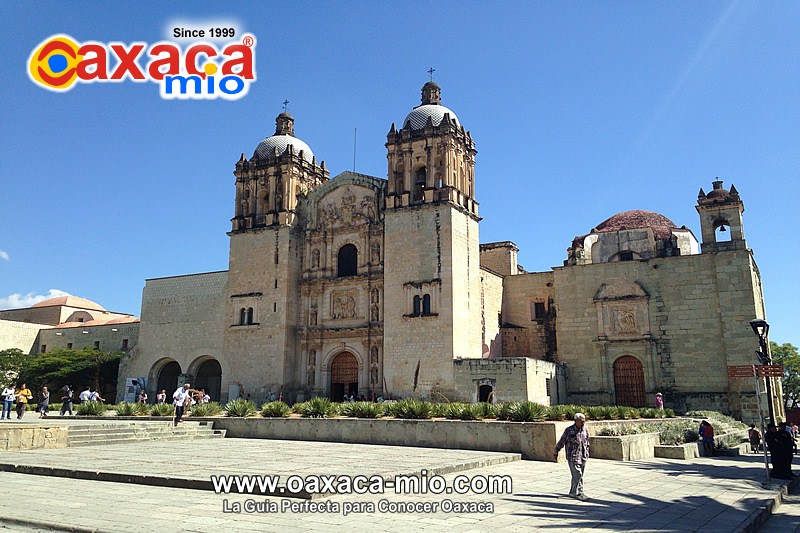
x=122, y=432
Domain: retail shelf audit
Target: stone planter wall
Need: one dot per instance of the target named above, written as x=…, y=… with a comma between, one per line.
x=31, y=437
x=624, y=447
x=534, y=440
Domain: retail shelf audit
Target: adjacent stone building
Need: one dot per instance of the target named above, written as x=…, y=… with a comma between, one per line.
x=379, y=286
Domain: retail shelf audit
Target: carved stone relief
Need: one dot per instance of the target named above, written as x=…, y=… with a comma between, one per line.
x=343, y=305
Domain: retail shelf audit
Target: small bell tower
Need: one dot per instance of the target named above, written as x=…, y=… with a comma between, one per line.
x=721, y=213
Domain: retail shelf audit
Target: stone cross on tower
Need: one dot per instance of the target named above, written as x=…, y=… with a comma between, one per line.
x=431, y=71
x=286, y=106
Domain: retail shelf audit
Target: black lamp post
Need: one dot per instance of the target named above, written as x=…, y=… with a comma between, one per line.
x=761, y=329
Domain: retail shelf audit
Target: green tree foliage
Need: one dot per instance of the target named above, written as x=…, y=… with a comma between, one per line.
x=786, y=355
x=77, y=368
x=11, y=362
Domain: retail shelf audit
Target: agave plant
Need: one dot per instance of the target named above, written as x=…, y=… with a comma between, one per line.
x=91, y=408
x=298, y=408
x=504, y=410
x=453, y=410
x=362, y=409
x=240, y=408
x=528, y=412
x=206, y=409
x=162, y=409
x=439, y=410
x=126, y=409
x=488, y=410
x=410, y=408
x=556, y=412
x=471, y=411
x=319, y=408
x=275, y=409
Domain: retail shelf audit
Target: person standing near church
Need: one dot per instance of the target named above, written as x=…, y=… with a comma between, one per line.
x=576, y=439
x=659, y=402
x=23, y=394
x=8, y=402
x=180, y=398
x=44, y=402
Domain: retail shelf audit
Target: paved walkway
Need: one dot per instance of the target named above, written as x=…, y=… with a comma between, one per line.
x=715, y=494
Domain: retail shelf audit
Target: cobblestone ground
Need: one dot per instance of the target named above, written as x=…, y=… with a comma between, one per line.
x=715, y=494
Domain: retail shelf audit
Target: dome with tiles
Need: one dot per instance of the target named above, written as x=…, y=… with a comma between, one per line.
x=430, y=109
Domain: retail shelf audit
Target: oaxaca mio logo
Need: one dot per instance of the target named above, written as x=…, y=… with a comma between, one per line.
x=198, y=71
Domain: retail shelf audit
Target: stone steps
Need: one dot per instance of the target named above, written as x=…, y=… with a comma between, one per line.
x=137, y=432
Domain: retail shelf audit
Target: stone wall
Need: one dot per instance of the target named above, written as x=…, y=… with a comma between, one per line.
x=513, y=379
x=109, y=337
x=492, y=305
x=182, y=320
x=20, y=335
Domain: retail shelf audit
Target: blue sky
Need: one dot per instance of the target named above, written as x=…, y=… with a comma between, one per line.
x=578, y=110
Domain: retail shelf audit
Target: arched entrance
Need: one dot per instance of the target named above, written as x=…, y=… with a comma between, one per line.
x=168, y=378
x=629, y=381
x=209, y=378
x=485, y=393
x=344, y=376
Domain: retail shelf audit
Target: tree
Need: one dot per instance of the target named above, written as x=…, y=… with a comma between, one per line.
x=60, y=367
x=11, y=362
x=786, y=355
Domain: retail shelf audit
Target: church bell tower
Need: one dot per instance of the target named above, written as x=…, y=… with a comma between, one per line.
x=432, y=257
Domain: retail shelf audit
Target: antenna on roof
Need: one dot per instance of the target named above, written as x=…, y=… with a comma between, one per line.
x=431, y=71
x=355, y=138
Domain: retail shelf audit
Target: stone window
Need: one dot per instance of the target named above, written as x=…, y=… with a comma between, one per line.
x=96, y=345
x=416, y=310
x=80, y=320
x=44, y=348
x=626, y=256
x=422, y=298
x=249, y=315
x=426, y=304
x=347, y=263
x=538, y=311
x=124, y=344
x=69, y=346
x=242, y=316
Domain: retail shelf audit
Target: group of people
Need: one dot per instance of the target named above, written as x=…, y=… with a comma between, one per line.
x=22, y=395
x=196, y=396
x=781, y=445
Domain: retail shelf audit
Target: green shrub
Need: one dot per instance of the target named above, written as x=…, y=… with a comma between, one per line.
x=298, y=407
x=503, y=410
x=162, y=409
x=439, y=410
x=206, y=409
x=622, y=429
x=126, y=409
x=528, y=412
x=677, y=432
x=729, y=441
x=362, y=409
x=488, y=410
x=471, y=411
x=319, y=408
x=91, y=409
x=668, y=413
x=556, y=412
x=650, y=412
x=410, y=408
x=453, y=410
x=570, y=410
x=276, y=409
x=240, y=408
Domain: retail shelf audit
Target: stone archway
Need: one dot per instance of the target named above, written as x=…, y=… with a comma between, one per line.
x=208, y=376
x=344, y=376
x=629, y=381
x=166, y=377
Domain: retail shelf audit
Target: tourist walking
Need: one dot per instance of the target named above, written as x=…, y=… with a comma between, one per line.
x=755, y=438
x=142, y=396
x=44, y=402
x=8, y=403
x=86, y=395
x=161, y=397
x=95, y=397
x=576, y=440
x=66, y=401
x=23, y=394
x=180, y=399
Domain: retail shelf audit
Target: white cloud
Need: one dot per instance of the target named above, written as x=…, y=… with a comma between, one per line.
x=4, y=255
x=15, y=301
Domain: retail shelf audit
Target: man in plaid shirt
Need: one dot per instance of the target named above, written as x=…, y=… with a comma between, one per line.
x=576, y=439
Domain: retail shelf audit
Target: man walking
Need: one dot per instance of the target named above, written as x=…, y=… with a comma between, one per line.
x=180, y=398
x=576, y=439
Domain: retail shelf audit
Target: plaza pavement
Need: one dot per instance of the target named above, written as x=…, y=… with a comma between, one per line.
x=714, y=494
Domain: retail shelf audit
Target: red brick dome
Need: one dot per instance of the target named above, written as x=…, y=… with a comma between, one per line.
x=637, y=219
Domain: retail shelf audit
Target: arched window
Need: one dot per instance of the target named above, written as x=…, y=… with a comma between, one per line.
x=419, y=185
x=426, y=304
x=722, y=231
x=242, y=316
x=416, y=310
x=249, y=315
x=347, y=264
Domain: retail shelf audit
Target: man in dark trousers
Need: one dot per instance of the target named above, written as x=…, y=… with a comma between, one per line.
x=576, y=439
x=779, y=448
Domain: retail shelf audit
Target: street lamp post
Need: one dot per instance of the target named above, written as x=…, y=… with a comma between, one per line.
x=761, y=329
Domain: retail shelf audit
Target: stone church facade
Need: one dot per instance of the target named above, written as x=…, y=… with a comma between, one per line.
x=374, y=286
